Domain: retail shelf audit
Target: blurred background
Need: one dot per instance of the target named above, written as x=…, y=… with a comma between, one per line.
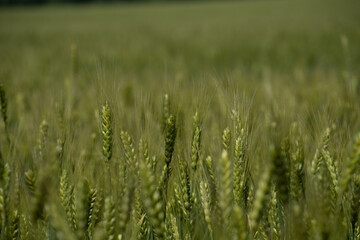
x=205, y=54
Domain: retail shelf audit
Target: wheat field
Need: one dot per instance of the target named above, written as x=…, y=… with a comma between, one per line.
x=203, y=120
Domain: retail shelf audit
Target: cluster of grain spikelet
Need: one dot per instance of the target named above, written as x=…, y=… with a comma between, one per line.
x=183, y=192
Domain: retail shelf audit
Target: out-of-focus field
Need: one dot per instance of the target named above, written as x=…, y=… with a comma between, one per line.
x=158, y=48
x=289, y=69
x=184, y=40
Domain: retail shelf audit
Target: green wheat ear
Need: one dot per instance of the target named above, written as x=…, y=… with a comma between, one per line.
x=30, y=181
x=25, y=231
x=130, y=154
x=3, y=103
x=6, y=177
x=16, y=191
x=226, y=197
x=125, y=208
x=140, y=217
x=240, y=166
x=143, y=152
x=2, y=208
x=274, y=217
x=332, y=171
x=92, y=196
x=42, y=138
x=152, y=201
x=319, y=158
x=170, y=137
x=107, y=131
x=14, y=227
x=240, y=223
x=205, y=201
x=2, y=165
x=168, y=226
x=212, y=184
x=4, y=197
x=186, y=201
x=297, y=174
x=68, y=200
x=280, y=168
x=355, y=203
x=260, y=199
x=3, y=109
x=174, y=227
x=110, y=218
x=165, y=112
x=350, y=166
x=98, y=207
x=83, y=207
x=226, y=137
x=196, y=141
